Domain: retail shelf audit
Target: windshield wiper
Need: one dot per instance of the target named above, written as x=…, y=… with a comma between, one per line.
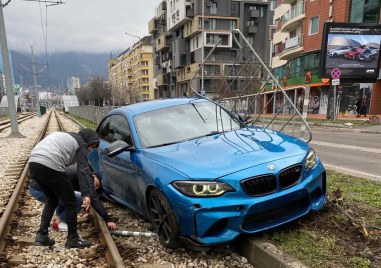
x=213, y=133
x=164, y=144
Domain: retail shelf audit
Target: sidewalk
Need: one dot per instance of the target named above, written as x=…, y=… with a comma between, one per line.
x=343, y=122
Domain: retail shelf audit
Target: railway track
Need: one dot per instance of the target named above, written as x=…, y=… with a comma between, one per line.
x=20, y=217
x=20, y=118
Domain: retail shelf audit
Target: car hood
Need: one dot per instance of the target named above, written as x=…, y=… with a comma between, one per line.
x=215, y=156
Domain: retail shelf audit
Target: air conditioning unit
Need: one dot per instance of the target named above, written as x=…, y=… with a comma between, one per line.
x=208, y=3
x=205, y=72
x=206, y=19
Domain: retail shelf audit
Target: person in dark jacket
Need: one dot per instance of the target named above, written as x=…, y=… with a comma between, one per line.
x=47, y=164
x=95, y=190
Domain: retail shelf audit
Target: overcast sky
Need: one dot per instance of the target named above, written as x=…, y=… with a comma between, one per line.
x=77, y=25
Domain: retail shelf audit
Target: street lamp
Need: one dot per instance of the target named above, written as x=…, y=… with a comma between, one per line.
x=132, y=35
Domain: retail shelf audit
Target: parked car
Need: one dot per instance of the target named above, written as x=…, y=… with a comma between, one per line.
x=368, y=55
x=202, y=176
x=338, y=51
x=354, y=53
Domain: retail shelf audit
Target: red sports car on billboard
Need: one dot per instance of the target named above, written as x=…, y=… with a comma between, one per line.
x=354, y=53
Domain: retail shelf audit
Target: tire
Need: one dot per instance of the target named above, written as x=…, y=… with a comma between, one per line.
x=163, y=219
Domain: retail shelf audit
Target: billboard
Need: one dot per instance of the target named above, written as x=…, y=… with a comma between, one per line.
x=354, y=48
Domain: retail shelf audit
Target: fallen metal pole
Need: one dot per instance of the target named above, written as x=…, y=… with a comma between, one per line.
x=132, y=233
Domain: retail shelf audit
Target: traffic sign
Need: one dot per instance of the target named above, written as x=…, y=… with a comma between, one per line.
x=335, y=73
x=335, y=82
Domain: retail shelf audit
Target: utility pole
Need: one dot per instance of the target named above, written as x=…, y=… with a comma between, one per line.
x=203, y=48
x=8, y=78
x=35, y=84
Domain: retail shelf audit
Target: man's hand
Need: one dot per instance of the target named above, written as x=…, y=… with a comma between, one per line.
x=111, y=225
x=86, y=203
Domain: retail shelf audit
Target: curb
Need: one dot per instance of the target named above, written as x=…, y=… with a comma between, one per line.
x=262, y=254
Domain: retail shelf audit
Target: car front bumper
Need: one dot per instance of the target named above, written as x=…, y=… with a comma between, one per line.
x=217, y=220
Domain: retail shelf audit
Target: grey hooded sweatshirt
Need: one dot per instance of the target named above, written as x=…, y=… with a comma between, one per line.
x=61, y=149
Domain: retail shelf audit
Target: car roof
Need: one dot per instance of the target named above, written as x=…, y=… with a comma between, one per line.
x=142, y=107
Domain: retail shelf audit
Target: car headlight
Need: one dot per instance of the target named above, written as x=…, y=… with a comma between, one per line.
x=310, y=159
x=202, y=188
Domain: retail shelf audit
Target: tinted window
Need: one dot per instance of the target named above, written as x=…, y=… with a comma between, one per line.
x=103, y=129
x=114, y=128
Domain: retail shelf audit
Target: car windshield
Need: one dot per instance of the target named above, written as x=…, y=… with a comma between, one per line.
x=183, y=122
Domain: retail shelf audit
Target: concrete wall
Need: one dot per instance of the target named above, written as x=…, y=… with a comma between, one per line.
x=92, y=113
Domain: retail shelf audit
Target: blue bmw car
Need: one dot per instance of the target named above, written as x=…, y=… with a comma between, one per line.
x=201, y=175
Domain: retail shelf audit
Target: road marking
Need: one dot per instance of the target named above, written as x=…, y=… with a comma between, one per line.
x=345, y=146
x=353, y=172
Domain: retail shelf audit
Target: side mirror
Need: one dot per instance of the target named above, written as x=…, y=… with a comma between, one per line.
x=116, y=148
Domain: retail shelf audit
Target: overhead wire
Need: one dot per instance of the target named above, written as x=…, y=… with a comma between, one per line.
x=4, y=5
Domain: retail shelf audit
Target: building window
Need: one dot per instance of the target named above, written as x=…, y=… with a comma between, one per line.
x=233, y=25
x=212, y=24
x=365, y=11
x=314, y=25
x=212, y=39
x=213, y=8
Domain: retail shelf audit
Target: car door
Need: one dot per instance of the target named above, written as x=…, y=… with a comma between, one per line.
x=121, y=171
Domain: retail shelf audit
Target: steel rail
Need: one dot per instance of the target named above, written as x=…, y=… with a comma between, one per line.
x=112, y=254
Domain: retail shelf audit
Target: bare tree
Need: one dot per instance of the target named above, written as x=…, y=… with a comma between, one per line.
x=98, y=90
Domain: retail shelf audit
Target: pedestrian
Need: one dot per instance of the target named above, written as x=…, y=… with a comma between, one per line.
x=96, y=203
x=47, y=164
x=364, y=105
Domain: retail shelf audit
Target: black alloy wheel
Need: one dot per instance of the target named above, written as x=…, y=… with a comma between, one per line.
x=163, y=219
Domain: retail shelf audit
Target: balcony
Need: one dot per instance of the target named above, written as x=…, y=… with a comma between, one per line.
x=292, y=18
x=152, y=26
x=162, y=80
x=162, y=43
x=293, y=48
x=194, y=29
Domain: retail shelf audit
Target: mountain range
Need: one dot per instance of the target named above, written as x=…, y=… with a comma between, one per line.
x=54, y=69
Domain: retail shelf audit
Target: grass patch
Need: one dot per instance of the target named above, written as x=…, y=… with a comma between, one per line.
x=84, y=122
x=328, y=238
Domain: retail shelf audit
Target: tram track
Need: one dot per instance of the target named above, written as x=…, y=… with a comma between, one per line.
x=21, y=214
x=20, y=118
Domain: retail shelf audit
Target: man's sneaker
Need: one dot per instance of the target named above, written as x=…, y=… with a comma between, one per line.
x=77, y=242
x=62, y=227
x=43, y=240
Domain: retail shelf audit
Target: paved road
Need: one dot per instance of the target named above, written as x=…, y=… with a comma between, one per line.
x=349, y=151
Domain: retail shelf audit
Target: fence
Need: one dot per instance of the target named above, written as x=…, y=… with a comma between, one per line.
x=250, y=89
x=92, y=113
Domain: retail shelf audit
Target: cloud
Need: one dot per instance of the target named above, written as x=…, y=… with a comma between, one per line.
x=78, y=25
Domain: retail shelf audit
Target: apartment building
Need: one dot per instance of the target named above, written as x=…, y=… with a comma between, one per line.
x=131, y=74
x=296, y=47
x=72, y=84
x=185, y=31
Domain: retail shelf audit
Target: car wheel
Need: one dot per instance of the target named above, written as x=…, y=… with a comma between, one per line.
x=334, y=55
x=163, y=219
